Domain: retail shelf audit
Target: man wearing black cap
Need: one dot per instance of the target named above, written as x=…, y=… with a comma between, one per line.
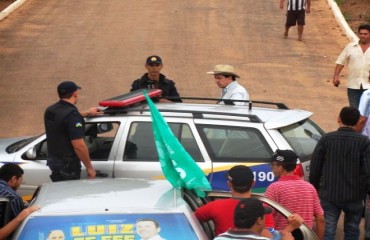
x=249, y=220
x=153, y=79
x=64, y=126
x=240, y=180
x=294, y=193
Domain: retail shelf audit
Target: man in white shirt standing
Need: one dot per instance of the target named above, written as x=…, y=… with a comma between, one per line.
x=356, y=55
x=226, y=80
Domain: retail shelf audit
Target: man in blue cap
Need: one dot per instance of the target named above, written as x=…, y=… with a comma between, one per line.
x=65, y=126
x=153, y=79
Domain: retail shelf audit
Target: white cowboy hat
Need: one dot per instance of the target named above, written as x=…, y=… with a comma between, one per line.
x=224, y=69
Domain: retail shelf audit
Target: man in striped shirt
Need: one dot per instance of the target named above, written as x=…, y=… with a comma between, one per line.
x=294, y=193
x=296, y=14
x=340, y=172
x=11, y=177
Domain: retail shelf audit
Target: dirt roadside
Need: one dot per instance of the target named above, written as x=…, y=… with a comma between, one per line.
x=356, y=12
x=5, y=3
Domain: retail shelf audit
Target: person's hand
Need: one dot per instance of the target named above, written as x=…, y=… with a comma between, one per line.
x=295, y=221
x=308, y=10
x=94, y=111
x=91, y=173
x=27, y=211
x=336, y=81
x=163, y=100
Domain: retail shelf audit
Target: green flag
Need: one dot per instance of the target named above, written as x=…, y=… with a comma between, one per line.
x=177, y=165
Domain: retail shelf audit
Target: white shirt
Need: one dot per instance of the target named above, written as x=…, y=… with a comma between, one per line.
x=364, y=108
x=358, y=64
x=235, y=91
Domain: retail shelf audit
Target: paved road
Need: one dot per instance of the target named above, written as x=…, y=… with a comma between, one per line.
x=103, y=45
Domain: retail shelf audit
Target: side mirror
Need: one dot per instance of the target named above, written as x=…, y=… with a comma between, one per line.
x=104, y=127
x=31, y=153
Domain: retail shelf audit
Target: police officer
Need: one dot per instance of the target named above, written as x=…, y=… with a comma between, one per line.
x=155, y=79
x=64, y=126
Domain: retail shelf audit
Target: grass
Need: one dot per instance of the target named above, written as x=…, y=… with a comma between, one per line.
x=347, y=16
x=339, y=2
x=367, y=17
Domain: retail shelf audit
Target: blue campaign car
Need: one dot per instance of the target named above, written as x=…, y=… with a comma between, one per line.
x=123, y=209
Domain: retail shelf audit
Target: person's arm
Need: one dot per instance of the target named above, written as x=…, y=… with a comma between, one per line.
x=294, y=222
x=202, y=213
x=173, y=92
x=316, y=165
x=336, y=79
x=308, y=6
x=13, y=224
x=360, y=124
x=281, y=4
x=320, y=226
x=135, y=85
x=91, y=112
x=82, y=152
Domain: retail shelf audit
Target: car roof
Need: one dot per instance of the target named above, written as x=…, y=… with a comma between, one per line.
x=105, y=195
x=272, y=118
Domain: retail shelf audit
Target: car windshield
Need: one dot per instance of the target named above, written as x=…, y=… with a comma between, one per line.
x=14, y=147
x=302, y=137
x=109, y=226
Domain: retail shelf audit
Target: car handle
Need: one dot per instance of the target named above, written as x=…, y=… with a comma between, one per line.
x=100, y=174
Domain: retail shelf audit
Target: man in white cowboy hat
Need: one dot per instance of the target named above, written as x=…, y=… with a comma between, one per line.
x=226, y=80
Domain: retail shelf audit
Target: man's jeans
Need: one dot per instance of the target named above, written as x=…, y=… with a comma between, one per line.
x=354, y=96
x=367, y=219
x=352, y=217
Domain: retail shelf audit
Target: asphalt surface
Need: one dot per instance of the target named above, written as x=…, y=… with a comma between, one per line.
x=103, y=45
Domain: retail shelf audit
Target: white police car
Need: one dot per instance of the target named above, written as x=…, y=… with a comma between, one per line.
x=121, y=142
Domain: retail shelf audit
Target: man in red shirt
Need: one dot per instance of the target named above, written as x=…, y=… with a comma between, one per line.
x=240, y=180
x=294, y=193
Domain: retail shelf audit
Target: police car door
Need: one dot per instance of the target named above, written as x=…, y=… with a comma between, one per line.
x=138, y=155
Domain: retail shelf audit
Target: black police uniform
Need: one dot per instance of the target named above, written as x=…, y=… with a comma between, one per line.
x=166, y=85
x=63, y=123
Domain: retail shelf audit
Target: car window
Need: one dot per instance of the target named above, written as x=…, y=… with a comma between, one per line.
x=140, y=145
x=235, y=144
x=302, y=137
x=99, y=138
x=109, y=226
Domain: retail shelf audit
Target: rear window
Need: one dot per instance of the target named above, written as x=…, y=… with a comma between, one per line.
x=235, y=144
x=302, y=137
x=108, y=227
